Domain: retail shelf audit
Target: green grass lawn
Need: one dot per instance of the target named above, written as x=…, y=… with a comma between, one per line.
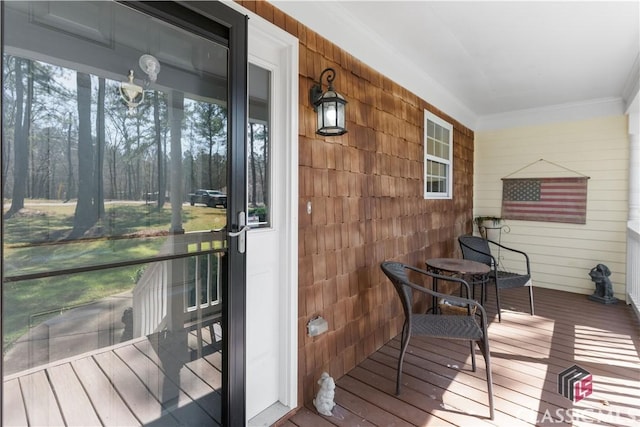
x=34, y=242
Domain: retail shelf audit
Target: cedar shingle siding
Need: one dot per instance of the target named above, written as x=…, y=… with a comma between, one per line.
x=366, y=190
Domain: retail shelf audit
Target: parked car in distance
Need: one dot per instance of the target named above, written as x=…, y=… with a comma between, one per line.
x=211, y=198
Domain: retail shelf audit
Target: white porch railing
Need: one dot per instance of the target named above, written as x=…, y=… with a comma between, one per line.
x=633, y=266
x=198, y=290
x=150, y=299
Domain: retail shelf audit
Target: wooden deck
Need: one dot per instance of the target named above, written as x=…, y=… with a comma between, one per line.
x=140, y=382
x=527, y=354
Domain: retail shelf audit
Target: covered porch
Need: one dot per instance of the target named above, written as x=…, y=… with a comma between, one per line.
x=366, y=190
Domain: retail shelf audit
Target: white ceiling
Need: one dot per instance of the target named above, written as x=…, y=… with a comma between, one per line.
x=483, y=62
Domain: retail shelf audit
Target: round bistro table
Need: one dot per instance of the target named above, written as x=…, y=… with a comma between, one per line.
x=473, y=272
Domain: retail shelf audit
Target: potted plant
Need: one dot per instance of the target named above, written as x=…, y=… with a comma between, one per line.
x=485, y=223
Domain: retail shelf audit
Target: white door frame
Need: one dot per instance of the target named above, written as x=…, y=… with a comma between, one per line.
x=286, y=219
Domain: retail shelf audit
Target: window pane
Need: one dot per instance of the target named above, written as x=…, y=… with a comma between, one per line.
x=259, y=150
x=437, y=162
x=436, y=177
x=445, y=149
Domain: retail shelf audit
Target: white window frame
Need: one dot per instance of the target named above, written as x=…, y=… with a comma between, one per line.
x=448, y=163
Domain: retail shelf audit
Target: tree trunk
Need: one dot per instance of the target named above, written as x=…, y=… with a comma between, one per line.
x=84, y=217
x=49, y=176
x=254, y=180
x=6, y=162
x=8, y=120
x=98, y=174
x=210, y=143
x=158, y=141
x=70, y=181
x=114, y=174
x=137, y=190
x=21, y=141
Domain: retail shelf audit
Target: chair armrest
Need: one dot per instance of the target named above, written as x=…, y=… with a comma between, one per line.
x=448, y=297
x=507, y=248
x=462, y=282
x=526, y=257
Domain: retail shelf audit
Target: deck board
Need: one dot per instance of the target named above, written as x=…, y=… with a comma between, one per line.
x=40, y=401
x=107, y=402
x=194, y=387
x=427, y=392
x=441, y=410
x=74, y=402
x=354, y=410
x=385, y=401
x=306, y=418
x=143, y=404
x=215, y=359
x=454, y=388
x=13, y=411
x=205, y=370
x=155, y=380
x=147, y=371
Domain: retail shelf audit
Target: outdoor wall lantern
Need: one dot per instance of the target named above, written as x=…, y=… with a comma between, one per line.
x=329, y=105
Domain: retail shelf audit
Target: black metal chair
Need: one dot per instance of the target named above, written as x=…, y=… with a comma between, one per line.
x=458, y=327
x=479, y=249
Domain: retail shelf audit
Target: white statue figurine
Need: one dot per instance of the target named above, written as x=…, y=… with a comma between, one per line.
x=324, y=399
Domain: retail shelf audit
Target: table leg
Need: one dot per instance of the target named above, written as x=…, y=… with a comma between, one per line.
x=434, y=299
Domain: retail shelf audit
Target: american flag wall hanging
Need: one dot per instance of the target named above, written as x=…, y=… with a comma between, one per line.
x=545, y=199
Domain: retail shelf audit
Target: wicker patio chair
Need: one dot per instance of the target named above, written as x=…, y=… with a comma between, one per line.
x=458, y=327
x=479, y=249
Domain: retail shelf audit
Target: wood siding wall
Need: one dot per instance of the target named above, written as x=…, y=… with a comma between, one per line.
x=563, y=254
x=366, y=193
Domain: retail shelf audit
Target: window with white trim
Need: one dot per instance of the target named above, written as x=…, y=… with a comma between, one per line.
x=438, y=157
